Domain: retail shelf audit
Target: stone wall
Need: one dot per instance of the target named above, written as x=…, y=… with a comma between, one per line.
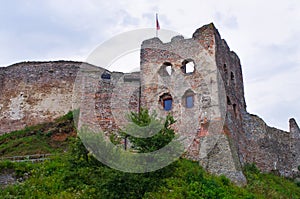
x=200, y=125
x=270, y=148
x=218, y=130
x=35, y=92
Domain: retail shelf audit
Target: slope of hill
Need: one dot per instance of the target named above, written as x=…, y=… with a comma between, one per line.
x=74, y=173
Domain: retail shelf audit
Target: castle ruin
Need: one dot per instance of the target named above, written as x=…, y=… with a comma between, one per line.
x=198, y=80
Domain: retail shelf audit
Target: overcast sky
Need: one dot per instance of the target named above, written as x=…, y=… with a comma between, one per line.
x=264, y=34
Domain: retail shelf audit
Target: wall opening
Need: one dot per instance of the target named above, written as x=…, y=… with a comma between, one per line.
x=232, y=78
x=188, y=66
x=166, y=101
x=228, y=101
x=234, y=110
x=166, y=69
x=188, y=99
x=225, y=72
x=106, y=75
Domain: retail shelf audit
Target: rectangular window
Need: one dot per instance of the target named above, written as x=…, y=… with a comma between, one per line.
x=189, y=101
x=168, y=104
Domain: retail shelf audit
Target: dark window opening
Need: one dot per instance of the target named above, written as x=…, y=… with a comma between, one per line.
x=234, y=110
x=106, y=75
x=188, y=66
x=166, y=69
x=228, y=101
x=225, y=72
x=232, y=76
x=166, y=101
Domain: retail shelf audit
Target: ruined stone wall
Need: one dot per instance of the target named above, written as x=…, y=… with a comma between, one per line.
x=270, y=148
x=230, y=69
x=35, y=92
x=105, y=98
x=220, y=134
x=204, y=121
x=115, y=99
x=156, y=82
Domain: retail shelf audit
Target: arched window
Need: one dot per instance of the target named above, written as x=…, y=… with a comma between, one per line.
x=166, y=69
x=188, y=99
x=166, y=101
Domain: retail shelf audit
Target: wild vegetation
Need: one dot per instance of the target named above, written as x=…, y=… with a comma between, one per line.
x=74, y=173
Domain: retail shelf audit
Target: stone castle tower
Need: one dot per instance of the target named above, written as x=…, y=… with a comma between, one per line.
x=198, y=80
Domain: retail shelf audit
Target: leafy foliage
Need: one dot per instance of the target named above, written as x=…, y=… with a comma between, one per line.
x=77, y=174
x=162, y=137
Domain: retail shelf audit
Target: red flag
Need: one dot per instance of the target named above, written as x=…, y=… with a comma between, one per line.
x=157, y=23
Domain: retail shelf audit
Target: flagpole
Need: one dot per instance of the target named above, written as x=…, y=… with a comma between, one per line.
x=157, y=25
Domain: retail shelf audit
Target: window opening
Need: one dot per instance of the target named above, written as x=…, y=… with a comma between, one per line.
x=225, y=72
x=232, y=76
x=166, y=69
x=188, y=66
x=166, y=101
x=167, y=104
x=106, y=75
x=228, y=101
x=234, y=109
x=189, y=101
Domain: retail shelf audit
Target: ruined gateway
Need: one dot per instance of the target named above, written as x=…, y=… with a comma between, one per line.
x=198, y=80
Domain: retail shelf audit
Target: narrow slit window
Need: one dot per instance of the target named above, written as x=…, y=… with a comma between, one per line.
x=225, y=72
x=234, y=110
x=232, y=76
x=228, y=101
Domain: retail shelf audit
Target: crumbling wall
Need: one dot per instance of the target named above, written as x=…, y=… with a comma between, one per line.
x=204, y=121
x=221, y=134
x=270, y=148
x=35, y=92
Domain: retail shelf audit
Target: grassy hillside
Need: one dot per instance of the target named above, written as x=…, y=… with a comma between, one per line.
x=40, y=139
x=74, y=173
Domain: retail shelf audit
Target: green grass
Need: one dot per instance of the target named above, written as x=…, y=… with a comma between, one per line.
x=77, y=174
x=37, y=139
